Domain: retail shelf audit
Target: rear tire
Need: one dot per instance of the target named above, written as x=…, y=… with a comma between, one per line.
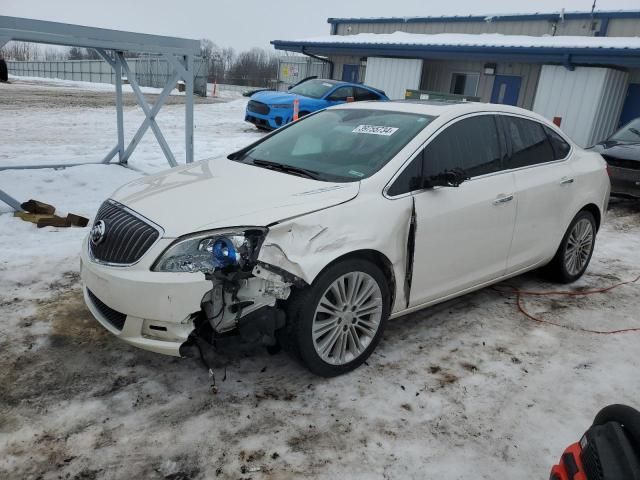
x=575, y=250
x=335, y=324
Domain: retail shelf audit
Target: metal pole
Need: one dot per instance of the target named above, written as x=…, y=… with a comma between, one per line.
x=188, y=125
x=119, y=109
x=9, y=200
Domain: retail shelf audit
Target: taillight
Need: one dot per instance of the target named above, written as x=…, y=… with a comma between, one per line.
x=608, y=170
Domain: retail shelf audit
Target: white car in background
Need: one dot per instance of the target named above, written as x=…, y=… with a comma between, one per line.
x=317, y=234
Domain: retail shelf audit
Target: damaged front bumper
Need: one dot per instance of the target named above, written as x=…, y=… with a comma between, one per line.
x=160, y=312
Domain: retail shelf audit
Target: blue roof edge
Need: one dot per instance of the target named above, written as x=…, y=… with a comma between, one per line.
x=576, y=55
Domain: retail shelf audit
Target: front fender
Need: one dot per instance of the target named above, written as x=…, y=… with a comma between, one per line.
x=305, y=245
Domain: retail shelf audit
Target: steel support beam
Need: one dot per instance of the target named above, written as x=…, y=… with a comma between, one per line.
x=115, y=63
x=9, y=200
x=188, y=109
x=119, y=109
x=150, y=114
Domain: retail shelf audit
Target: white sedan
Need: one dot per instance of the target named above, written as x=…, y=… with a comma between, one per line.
x=317, y=234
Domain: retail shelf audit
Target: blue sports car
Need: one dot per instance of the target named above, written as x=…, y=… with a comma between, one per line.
x=269, y=109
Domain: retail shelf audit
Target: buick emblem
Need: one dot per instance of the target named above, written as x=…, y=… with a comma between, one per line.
x=97, y=233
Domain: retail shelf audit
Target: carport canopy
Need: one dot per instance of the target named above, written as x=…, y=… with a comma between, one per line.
x=111, y=45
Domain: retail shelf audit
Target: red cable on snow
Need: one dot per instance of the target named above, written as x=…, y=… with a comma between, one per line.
x=520, y=293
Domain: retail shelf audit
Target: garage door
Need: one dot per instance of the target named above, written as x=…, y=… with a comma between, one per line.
x=393, y=75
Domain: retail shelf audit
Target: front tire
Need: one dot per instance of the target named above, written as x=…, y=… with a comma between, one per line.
x=335, y=324
x=575, y=251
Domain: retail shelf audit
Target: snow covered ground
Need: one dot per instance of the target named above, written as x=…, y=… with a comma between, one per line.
x=469, y=389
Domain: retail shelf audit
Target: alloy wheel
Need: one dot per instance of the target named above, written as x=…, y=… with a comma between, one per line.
x=579, y=246
x=347, y=318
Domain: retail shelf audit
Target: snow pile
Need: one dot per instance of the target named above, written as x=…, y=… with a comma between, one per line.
x=89, y=86
x=470, y=40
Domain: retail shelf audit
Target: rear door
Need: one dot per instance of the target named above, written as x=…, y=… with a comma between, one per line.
x=544, y=186
x=463, y=234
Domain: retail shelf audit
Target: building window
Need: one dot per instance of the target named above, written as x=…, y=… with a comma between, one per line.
x=465, y=83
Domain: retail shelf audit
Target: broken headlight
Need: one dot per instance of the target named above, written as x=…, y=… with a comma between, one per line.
x=210, y=251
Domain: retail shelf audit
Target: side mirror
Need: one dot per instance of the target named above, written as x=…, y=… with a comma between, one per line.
x=449, y=178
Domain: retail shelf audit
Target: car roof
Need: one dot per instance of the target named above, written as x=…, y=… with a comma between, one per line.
x=342, y=82
x=441, y=108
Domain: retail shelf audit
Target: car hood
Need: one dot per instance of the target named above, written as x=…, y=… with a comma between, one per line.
x=271, y=97
x=221, y=193
x=623, y=151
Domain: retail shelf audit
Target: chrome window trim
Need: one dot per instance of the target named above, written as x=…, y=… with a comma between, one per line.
x=140, y=217
x=455, y=120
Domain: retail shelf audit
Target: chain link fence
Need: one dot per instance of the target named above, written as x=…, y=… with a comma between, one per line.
x=149, y=71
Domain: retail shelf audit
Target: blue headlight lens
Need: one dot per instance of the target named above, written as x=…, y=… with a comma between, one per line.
x=224, y=253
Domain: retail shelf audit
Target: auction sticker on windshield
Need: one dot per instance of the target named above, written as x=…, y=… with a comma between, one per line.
x=374, y=130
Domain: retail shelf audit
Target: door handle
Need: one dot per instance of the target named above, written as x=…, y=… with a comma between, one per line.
x=500, y=199
x=566, y=181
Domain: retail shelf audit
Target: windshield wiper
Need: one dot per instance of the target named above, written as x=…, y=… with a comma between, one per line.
x=635, y=130
x=303, y=172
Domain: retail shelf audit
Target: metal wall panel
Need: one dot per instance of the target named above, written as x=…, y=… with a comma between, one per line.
x=437, y=75
x=588, y=100
x=526, y=27
x=624, y=27
x=339, y=61
x=393, y=75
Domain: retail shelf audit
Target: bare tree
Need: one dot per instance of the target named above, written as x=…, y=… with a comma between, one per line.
x=20, y=51
x=256, y=67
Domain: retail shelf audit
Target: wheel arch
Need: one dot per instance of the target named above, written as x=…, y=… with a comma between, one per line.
x=593, y=209
x=377, y=258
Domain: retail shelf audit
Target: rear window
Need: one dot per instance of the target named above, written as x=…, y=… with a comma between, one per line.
x=340, y=145
x=530, y=144
x=313, y=88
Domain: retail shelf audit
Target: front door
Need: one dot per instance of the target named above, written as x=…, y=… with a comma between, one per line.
x=463, y=234
x=506, y=89
x=631, y=108
x=350, y=73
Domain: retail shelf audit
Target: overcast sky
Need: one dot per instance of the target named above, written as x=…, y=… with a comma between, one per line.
x=248, y=23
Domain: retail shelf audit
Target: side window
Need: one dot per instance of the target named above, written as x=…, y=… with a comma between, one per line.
x=529, y=142
x=471, y=144
x=341, y=94
x=560, y=147
x=406, y=181
x=363, y=94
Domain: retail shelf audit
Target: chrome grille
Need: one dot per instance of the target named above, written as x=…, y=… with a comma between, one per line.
x=127, y=236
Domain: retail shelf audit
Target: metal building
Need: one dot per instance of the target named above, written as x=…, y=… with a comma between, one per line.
x=500, y=59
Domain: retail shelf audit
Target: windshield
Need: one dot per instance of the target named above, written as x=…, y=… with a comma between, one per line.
x=313, y=88
x=629, y=133
x=344, y=145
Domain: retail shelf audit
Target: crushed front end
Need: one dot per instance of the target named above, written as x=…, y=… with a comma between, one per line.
x=158, y=293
